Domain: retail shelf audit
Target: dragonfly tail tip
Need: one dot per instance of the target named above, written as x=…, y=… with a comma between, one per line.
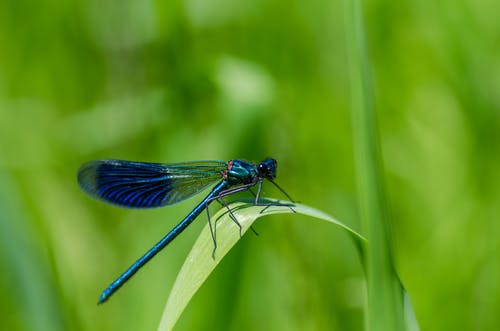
x=102, y=299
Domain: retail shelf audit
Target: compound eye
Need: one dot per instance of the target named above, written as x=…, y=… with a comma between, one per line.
x=262, y=169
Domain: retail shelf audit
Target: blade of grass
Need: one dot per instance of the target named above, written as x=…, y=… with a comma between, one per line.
x=385, y=293
x=199, y=263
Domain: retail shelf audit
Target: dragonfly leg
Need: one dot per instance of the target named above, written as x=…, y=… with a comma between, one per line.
x=235, y=220
x=251, y=191
x=230, y=213
x=276, y=204
x=253, y=230
x=282, y=190
x=267, y=205
x=230, y=191
x=219, y=197
x=233, y=190
x=257, y=197
x=212, y=232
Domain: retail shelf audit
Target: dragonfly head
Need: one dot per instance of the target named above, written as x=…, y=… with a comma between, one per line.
x=267, y=168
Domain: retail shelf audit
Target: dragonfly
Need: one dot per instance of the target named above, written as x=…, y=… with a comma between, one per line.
x=149, y=185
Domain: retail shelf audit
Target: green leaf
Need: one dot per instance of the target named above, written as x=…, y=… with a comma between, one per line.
x=386, y=295
x=199, y=263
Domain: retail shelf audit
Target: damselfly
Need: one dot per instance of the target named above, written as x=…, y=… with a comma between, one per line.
x=150, y=185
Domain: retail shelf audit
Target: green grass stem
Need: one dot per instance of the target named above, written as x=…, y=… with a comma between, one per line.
x=385, y=293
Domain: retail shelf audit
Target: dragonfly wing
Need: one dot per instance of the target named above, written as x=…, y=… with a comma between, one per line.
x=147, y=185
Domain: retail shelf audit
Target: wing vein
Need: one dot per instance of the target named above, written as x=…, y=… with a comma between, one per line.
x=147, y=185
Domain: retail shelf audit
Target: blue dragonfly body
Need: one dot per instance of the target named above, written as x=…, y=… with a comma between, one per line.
x=150, y=185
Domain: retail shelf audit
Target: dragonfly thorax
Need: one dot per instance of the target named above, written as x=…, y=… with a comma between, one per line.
x=242, y=172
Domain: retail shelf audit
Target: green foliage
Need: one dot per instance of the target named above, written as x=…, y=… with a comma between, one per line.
x=197, y=267
x=385, y=292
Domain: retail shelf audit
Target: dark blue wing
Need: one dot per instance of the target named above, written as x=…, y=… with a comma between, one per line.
x=147, y=185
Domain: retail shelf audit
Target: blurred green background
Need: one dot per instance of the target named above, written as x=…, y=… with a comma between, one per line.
x=171, y=81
